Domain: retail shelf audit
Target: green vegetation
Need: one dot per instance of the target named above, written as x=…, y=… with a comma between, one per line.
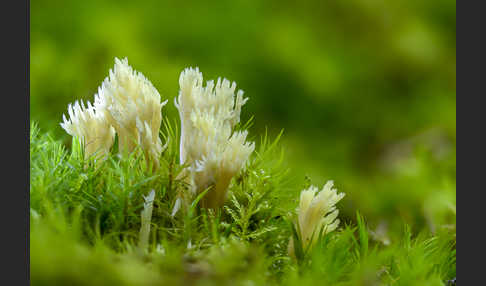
x=365, y=92
x=85, y=223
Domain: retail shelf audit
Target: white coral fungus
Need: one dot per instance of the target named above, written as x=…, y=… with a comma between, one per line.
x=208, y=145
x=146, y=216
x=317, y=211
x=132, y=105
x=96, y=135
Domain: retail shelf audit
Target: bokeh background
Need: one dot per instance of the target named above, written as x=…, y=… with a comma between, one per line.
x=365, y=90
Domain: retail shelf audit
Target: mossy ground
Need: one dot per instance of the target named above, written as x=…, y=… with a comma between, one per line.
x=85, y=222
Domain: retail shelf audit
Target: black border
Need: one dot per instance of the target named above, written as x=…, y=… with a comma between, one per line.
x=471, y=143
x=14, y=209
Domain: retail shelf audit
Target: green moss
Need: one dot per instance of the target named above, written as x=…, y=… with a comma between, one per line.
x=85, y=222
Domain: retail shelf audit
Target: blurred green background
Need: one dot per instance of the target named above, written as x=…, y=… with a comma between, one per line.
x=364, y=89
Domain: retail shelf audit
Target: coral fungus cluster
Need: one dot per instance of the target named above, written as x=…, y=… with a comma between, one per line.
x=129, y=107
x=209, y=146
